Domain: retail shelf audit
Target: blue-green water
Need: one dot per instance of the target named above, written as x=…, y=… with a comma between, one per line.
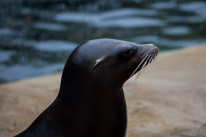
x=36, y=37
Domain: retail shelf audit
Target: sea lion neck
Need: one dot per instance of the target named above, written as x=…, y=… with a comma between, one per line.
x=81, y=84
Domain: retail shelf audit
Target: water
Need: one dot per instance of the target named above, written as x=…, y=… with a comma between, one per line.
x=36, y=37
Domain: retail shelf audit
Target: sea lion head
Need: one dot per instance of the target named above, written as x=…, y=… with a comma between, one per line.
x=111, y=61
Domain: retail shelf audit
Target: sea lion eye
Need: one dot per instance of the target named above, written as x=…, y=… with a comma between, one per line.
x=127, y=52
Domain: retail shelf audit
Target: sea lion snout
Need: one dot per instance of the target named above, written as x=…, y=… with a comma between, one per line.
x=147, y=49
x=153, y=48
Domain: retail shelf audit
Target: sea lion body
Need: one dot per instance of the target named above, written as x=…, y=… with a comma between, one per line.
x=91, y=100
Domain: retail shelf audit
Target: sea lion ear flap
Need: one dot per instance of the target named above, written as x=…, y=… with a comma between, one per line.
x=98, y=61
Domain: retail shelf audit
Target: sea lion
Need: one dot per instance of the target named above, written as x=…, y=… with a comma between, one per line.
x=91, y=101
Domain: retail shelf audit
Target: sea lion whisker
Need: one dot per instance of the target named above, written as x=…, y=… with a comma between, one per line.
x=154, y=56
x=138, y=66
x=150, y=59
x=146, y=62
x=143, y=66
x=138, y=73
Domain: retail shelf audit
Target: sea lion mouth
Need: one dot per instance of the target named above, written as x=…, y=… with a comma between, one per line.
x=145, y=61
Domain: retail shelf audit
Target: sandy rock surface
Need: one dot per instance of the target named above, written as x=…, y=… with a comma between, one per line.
x=167, y=100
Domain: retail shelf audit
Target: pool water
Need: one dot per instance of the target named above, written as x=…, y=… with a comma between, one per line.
x=36, y=37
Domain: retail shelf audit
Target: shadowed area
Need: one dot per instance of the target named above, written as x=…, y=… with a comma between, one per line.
x=167, y=100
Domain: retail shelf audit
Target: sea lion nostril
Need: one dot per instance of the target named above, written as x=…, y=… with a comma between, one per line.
x=155, y=50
